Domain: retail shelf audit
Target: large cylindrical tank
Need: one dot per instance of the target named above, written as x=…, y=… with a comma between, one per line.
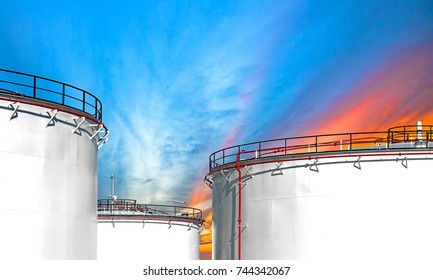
x=127, y=230
x=360, y=195
x=48, y=167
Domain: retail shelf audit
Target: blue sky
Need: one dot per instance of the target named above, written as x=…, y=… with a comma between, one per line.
x=179, y=80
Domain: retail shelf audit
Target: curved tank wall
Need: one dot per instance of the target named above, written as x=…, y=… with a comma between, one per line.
x=367, y=204
x=48, y=165
x=139, y=235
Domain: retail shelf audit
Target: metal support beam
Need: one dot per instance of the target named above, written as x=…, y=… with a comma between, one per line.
x=278, y=170
x=79, y=124
x=314, y=167
x=51, y=121
x=97, y=131
x=357, y=163
x=248, y=171
x=15, y=113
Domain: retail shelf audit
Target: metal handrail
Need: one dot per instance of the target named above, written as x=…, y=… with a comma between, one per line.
x=49, y=90
x=129, y=207
x=305, y=145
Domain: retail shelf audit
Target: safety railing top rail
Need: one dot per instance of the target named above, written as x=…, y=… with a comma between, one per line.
x=129, y=207
x=48, y=90
x=393, y=138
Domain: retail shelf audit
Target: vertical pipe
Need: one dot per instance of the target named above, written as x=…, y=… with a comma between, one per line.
x=112, y=186
x=239, y=204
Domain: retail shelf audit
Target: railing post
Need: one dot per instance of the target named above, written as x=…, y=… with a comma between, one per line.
x=96, y=108
x=224, y=156
x=316, y=142
x=84, y=101
x=285, y=146
x=63, y=94
x=100, y=111
x=34, y=86
x=350, y=142
x=260, y=149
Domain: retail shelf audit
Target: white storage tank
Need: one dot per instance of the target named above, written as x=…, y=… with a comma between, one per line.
x=50, y=133
x=353, y=195
x=131, y=231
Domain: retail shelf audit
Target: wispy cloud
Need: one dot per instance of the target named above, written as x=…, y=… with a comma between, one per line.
x=165, y=128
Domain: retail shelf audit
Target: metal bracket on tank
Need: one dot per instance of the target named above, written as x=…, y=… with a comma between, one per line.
x=201, y=228
x=404, y=162
x=314, y=167
x=243, y=228
x=97, y=131
x=144, y=223
x=222, y=173
x=103, y=139
x=248, y=171
x=169, y=224
x=15, y=113
x=79, y=124
x=208, y=179
x=357, y=163
x=189, y=226
x=51, y=121
x=278, y=170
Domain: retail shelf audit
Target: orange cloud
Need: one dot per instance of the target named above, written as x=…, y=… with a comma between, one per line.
x=400, y=93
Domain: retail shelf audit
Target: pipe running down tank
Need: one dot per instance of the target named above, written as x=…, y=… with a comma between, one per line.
x=350, y=195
